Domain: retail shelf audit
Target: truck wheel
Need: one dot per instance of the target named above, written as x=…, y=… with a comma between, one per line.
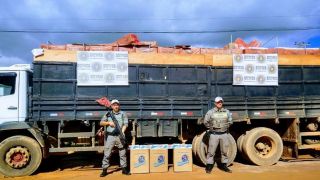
x=240, y=142
x=195, y=145
x=194, y=150
x=262, y=146
x=240, y=147
x=19, y=156
x=232, y=153
x=203, y=149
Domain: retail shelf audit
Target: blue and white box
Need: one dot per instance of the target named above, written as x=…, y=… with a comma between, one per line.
x=139, y=159
x=159, y=158
x=182, y=157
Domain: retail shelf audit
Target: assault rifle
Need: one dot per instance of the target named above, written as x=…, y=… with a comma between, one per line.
x=117, y=128
x=105, y=102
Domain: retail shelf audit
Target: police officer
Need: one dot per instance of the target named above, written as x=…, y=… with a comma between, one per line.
x=218, y=120
x=112, y=137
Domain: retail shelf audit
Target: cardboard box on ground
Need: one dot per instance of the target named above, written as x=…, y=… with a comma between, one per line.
x=182, y=157
x=139, y=159
x=159, y=158
x=154, y=158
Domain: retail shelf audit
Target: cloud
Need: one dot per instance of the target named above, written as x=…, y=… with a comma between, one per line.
x=164, y=15
x=8, y=61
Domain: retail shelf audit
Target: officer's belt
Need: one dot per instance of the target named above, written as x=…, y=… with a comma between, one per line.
x=217, y=133
x=114, y=133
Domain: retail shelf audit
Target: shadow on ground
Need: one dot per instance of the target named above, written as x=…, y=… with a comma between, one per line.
x=83, y=160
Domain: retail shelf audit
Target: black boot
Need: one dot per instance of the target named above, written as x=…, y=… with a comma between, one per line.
x=209, y=168
x=104, y=172
x=126, y=171
x=225, y=168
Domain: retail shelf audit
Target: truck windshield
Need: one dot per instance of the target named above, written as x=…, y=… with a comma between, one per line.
x=7, y=83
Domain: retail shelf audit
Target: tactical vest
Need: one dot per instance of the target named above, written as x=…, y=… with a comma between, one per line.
x=219, y=121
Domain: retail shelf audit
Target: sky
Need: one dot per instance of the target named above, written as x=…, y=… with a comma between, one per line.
x=26, y=24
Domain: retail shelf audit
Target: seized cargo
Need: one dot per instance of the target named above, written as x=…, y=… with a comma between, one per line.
x=169, y=90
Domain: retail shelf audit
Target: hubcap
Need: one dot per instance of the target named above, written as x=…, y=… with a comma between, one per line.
x=264, y=146
x=17, y=157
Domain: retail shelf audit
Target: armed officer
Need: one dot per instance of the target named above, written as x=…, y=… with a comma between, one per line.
x=112, y=137
x=218, y=120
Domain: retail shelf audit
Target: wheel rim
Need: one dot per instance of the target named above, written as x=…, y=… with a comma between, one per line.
x=264, y=146
x=17, y=157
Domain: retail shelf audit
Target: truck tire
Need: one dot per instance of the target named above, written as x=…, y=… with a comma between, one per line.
x=195, y=147
x=194, y=150
x=240, y=147
x=240, y=142
x=262, y=146
x=19, y=156
x=198, y=150
x=203, y=149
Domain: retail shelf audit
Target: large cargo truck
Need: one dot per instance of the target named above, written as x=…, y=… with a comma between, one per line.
x=44, y=112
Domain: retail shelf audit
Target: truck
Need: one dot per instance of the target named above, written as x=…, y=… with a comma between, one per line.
x=45, y=113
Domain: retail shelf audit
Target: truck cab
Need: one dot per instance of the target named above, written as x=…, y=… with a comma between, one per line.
x=21, y=145
x=14, y=89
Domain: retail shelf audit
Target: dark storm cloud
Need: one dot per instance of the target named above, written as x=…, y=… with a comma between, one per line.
x=145, y=15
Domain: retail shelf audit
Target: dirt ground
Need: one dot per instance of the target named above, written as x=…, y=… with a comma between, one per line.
x=88, y=168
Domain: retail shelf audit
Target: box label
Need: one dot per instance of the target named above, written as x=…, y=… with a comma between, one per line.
x=141, y=161
x=160, y=161
x=184, y=160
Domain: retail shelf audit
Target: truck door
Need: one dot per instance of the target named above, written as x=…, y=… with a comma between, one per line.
x=9, y=96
